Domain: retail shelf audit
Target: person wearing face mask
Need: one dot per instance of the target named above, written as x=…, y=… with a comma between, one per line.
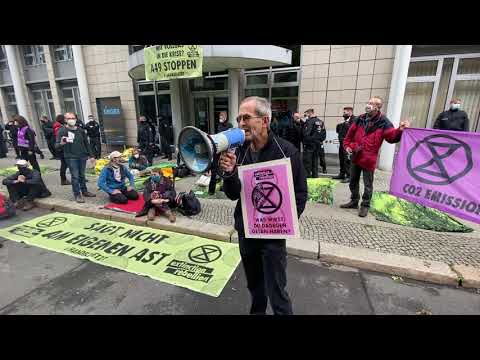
x=137, y=161
x=264, y=260
x=25, y=186
x=223, y=123
x=76, y=150
x=160, y=197
x=93, y=131
x=363, y=141
x=453, y=119
x=12, y=129
x=342, y=129
x=60, y=122
x=112, y=180
x=294, y=131
x=145, y=138
x=313, y=136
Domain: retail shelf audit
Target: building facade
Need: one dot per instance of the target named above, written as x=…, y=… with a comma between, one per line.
x=38, y=80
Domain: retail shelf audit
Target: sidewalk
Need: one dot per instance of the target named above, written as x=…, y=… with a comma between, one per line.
x=322, y=225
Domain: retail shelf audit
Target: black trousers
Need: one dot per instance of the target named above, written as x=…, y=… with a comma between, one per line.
x=31, y=158
x=345, y=163
x=51, y=146
x=265, y=265
x=96, y=146
x=20, y=190
x=355, y=172
x=148, y=152
x=124, y=196
x=323, y=163
x=310, y=163
x=15, y=147
x=166, y=149
x=63, y=166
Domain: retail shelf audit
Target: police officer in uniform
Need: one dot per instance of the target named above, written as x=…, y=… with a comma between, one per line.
x=344, y=157
x=145, y=138
x=453, y=119
x=313, y=135
x=165, y=128
x=93, y=132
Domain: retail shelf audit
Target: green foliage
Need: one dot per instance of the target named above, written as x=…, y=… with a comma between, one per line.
x=13, y=169
x=320, y=190
x=394, y=210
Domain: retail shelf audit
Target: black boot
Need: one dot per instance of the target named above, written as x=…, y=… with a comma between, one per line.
x=338, y=177
x=345, y=181
x=363, y=211
x=351, y=205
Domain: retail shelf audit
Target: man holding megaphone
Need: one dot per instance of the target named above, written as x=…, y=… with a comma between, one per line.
x=264, y=260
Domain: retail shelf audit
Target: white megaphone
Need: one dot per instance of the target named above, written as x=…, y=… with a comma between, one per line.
x=198, y=149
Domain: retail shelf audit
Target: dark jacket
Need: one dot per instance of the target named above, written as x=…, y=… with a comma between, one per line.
x=342, y=128
x=270, y=151
x=365, y=137
x=294, y=134
x=145, y=135
x=138, y=164
x=3, y=145
x=47, y=128
x=166, y=189
x=456, y=120
x=313, y=134
x=93, y=129
x=12, y=129
x=33, y=177
x=79, y=149
x=224, y=126
x=165, y=128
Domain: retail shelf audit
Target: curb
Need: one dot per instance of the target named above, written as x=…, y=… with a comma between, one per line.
x=183, y=225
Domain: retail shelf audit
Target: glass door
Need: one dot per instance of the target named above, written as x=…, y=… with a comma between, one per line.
x=220, y=103
x=201, y=110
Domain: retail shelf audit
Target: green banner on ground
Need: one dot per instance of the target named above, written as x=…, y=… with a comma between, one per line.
x=188, y=261
x=167, y=62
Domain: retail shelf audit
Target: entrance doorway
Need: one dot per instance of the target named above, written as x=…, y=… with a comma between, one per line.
x=207, y=107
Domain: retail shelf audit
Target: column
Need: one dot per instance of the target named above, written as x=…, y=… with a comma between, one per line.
x=82, y=80
x=233, y=98
x=395, y=100
x=176, y=102
x=3, y=107
x=18, y=83
x=49, y=61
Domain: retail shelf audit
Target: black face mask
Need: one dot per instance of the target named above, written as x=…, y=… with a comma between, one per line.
x=22, y=170
x=346, y=116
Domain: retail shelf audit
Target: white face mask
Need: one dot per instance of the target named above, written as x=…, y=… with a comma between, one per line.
x=71, y=122
x=136, y=156
x=455, y=106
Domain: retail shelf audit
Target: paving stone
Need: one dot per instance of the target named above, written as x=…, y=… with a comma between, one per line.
x=469, y=274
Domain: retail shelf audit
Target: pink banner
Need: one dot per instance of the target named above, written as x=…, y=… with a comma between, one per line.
x=439, y=169
x=268, y=200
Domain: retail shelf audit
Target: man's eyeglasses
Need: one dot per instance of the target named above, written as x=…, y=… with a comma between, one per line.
x=247, y=118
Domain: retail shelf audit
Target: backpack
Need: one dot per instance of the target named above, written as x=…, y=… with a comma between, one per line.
x=188, y=204
x=7, y=209
x=181, y=171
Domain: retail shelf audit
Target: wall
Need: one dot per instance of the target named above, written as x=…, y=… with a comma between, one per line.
x=107, y=76
x=334, y=76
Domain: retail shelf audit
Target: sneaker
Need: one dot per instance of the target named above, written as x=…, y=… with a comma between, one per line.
x=151, y=214
x=20, y=203
x=345, y=181
x=363, y=212
x=66, y=182
x=79, y=199
x=88, y=194
x=28, y=206
x=338, y=177
x=351, y=205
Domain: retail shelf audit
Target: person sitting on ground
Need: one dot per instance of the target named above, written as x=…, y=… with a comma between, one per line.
x=25, y=186
x=112, y=180
x=137, y=161
x=159, y=195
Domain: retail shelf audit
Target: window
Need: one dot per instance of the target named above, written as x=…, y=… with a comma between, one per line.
x=469, y=66
x=3, y=58
x=290, y=91
x=261, y=79
x=422, y=68
x=145, y=87
x=63, y=52
x=218, y=83
x=33, y=55
x=285, y=77
x=163, y=86
x=257, y=92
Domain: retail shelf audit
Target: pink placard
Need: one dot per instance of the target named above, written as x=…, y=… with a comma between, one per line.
x=268, y=200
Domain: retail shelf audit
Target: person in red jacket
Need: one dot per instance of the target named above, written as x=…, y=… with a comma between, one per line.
x=363, y=141
x=59, y=123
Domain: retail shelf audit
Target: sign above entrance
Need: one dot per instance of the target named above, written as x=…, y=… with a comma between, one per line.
x=167, y=62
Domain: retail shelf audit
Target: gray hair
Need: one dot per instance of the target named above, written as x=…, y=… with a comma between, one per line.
x=262, y=106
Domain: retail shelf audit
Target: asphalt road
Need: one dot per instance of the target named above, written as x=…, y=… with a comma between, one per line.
x=38, y=281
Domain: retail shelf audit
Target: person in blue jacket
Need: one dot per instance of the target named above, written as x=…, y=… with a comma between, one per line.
x=113, y=178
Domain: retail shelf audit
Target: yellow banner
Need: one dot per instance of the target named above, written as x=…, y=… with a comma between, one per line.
x=167, y=62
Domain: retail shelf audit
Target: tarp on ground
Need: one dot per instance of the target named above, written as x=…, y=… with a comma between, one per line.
x=13, y=169
x=320, y=190
x=395, y=210
x=192, y=262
